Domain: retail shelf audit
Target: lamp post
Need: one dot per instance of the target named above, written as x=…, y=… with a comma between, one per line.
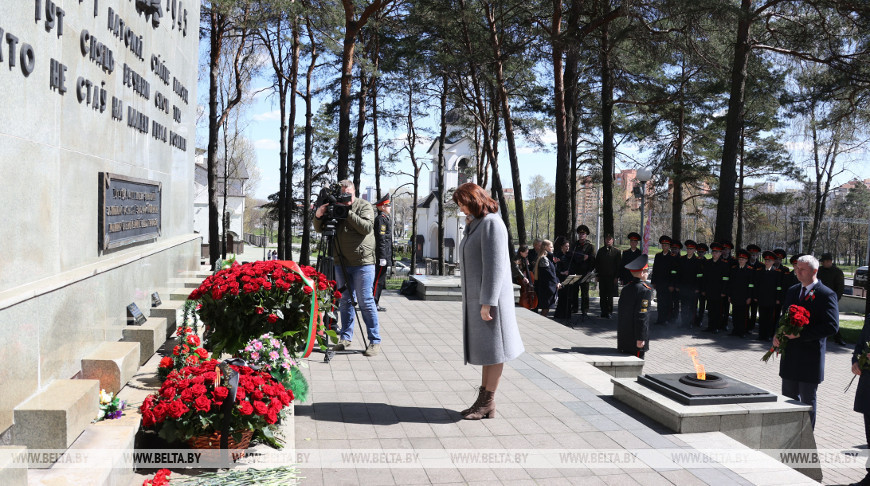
x=643, y=175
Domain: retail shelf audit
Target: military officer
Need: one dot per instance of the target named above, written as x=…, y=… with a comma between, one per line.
x=607, y=265
x=740, y=288
x=661, y=279
x=383, y=247
x=702, y=250
x=584, y=262
x=676, y=246
x=715, y=277
x=767, y=295
x=687, y=285
x=754, y=262
x=632, y=334
x=786, y=278
x=628, y=255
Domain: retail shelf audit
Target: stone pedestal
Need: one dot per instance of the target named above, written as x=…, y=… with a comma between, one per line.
x=150, y=336
x=112, y=363
x=172, y=311
x=54, y=417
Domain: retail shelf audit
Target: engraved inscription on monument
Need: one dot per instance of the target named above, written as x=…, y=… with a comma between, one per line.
x=130, y=210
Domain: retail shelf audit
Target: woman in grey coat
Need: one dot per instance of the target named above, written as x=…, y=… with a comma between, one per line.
x=489, y=324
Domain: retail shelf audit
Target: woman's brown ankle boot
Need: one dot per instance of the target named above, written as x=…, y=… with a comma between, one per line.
x=485, y=409
x=476, y=402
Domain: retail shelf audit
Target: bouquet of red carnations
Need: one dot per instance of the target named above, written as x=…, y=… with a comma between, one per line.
x=791, y=323
x=188, y=352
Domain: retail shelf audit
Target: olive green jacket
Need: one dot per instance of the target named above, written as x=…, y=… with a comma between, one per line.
x=354, y=243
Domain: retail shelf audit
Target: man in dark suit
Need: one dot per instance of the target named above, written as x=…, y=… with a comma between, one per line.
x=862, y=394
x=802, y=366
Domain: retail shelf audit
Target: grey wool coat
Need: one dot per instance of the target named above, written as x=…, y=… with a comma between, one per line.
x=486, y=279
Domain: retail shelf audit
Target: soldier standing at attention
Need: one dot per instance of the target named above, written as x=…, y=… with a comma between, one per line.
x=676, y=246
x=629, y=255
x=660, y=278
x=767, y=296
x=383, y=247
x=584, y=261
x=740, y=289
x=754, y=262
x=702, y=299
x=632, y=334
x=786, y=279
x=687, y=287
x=607, y=265
x=727, y=246
x=833, y=278
x=715, y=277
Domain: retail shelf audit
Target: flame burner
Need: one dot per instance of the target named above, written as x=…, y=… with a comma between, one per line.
x=712, y=381
x=715, y=390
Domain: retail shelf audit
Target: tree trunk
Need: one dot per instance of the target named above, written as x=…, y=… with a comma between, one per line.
x=360, y=131
x=216, y=31
x=439, y=187
x=562, y=189
x=289, y=201
x=412, y=142
x=738, y=241
x=677, y=179
x=375, y=138
x=508, y=127
x=608, y=151
x=304, y=258
x=351, y=31
x=733, y=124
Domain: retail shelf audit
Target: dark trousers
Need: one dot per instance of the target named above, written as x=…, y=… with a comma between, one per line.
x=753, y=315
x=714, y=312
x=739, y=316
x=766, y=321
x=688, y=305
x=803, y=392
x=584, y=297
x=664, y=304
x=606, y=295
x=725, y=310
x=380, y=282
x=563, y=304
x=702, y=306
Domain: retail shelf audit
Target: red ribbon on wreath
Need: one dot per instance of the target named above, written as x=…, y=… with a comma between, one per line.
x=314, y=318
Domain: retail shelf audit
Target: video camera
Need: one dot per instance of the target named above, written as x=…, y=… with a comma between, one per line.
x=336, y=209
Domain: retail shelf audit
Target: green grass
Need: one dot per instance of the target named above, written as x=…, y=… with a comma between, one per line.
x=851, y=330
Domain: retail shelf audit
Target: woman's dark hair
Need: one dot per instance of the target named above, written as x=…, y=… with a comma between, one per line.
x=557, y=245
x=521, y=249
x=475, y=199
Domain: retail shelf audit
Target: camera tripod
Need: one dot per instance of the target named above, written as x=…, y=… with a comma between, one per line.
x=326, y=266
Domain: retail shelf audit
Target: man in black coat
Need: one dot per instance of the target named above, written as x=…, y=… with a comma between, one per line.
x=607, y=265
x=767, y=295
x=862, y=394
x=715, y=277
x=661, y=276
x=740, y=289
x=756, y=263
x=833, y=278
x=584, y=262
x=802, y=366
x=632, y=333
x=628, y=255
x=383, y=247
x=702, y=299
x=689, y=275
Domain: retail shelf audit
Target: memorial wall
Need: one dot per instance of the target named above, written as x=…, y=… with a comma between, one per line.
x=97, y=133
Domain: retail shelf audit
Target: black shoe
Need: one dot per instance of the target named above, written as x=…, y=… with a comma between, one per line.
x=839, y=340
x=381, y=309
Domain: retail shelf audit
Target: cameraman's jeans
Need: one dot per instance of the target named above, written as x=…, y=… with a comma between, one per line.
x=362, y=280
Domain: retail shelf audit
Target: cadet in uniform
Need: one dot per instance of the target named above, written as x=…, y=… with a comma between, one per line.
x=584, y=260
x=768, y=289
x=660, y=279
x=715, y=277
x=702, y=299
x=687, y=287
x=674, y=282
x=383, y=246
x=786, y=279
x=833, y=278
x=608, y=267
x=628, y=255
x=726, y=257
x=740, y=290
x=632, y=334
x=754, y=262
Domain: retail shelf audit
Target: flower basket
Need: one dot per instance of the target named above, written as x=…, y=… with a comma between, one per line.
x=242, y=302
x=270, y=355
x=213, y=441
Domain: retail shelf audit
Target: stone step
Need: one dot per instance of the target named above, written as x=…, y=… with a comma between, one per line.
x=112, y=363
x=187, y=283
x=54, y=417
x=12, y=473
x=150, y=336
x=179, y=294
x=104, y=447
x=171, y=310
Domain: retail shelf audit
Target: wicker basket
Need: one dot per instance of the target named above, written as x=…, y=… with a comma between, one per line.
x=213, y=441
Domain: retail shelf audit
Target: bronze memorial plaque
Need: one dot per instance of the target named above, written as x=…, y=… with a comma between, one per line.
x=130, y=210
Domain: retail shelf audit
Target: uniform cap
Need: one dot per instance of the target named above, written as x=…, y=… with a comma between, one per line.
x=665, y=239
x=691, y=244
x=634, y=236
x=676, y=244
x=754, y=248
x=769, y=255
x=703, y=247
x=716, y=246
x=384, y=200
x=727, y=244
x=826, y=256
x=583, y=229
x=741, y=253
x=639, y=263
x=795, y=257
x=779, y=252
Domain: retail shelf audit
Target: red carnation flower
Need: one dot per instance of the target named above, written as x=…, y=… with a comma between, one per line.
x=261, y=408
x=271, y=417
x=166, y=362
x=272, y=318
x=176, y=350
x=168, y=392
x=187, y=394
x=337, y=294
x=177, y=408
x=221, y=393
x=193, y=340
x=260, y=309
x=198, y=390
x=192, y=359
x=307, y=289
x=203, y=354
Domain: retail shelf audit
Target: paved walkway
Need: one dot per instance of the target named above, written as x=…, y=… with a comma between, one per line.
x=407, y=398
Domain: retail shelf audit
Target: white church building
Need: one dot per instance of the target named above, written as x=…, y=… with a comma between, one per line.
x=459, y=154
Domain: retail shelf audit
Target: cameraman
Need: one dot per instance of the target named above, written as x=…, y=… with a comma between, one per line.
x=354, y=253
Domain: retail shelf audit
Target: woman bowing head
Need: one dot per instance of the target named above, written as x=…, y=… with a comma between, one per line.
x=489, y=325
